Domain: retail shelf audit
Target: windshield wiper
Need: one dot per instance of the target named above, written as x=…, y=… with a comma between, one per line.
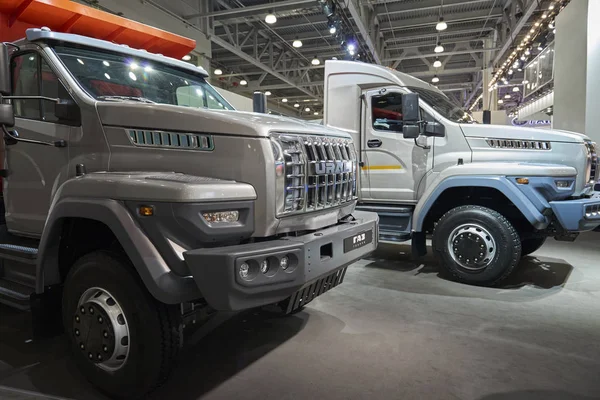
x=134, y=98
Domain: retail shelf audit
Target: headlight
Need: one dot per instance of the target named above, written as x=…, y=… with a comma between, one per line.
x=221, y=216
x=563, y=183
x=289, y=173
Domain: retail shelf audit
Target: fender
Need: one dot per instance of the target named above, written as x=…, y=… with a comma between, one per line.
x=491, y=175
x=158, y=278
x=85, y=197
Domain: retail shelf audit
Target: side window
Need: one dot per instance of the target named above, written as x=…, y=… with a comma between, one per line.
x=25, y=82
x=32, y=76
x=387, y=112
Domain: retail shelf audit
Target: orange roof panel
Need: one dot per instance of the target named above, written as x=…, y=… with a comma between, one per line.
x=70, y=17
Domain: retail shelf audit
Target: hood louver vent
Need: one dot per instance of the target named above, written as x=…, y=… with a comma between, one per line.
x=191, y=141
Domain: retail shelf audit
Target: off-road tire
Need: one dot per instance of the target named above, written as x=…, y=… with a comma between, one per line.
x=505, y=257
x=532, y=245
x=154, y=328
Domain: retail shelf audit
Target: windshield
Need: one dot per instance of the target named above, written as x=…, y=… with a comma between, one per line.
x=444, y=106
x=116, y=77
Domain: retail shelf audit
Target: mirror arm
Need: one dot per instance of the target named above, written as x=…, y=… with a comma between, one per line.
x=13, y=138
x=424, y=147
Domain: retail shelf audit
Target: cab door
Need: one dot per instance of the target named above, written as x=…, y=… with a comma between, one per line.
x=34, y=171
x=395, y=165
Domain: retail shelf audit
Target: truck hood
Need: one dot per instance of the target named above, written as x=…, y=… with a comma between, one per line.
x=170, y=117
x=517, y=132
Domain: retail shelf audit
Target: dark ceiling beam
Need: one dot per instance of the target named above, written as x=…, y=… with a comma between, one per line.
x=251, y=10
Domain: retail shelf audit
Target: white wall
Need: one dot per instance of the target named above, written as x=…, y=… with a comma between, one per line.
x=570, y=67
x=239, y=102
x=592, y=116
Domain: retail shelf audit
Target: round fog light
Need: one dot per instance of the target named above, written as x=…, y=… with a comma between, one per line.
x=284, y=263
x=264, y=266
x=244, y=270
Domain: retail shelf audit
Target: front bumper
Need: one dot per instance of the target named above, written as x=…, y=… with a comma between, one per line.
x=317, y=262
x=577, y=215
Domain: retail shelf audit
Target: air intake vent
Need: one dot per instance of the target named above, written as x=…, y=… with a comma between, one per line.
x=519, y=144
x=191, y=141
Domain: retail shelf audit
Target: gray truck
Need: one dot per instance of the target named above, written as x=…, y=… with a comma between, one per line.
x=137, y=198
x=486, y=195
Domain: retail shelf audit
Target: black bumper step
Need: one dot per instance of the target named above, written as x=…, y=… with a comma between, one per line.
x=15, y=295
x=308, y=293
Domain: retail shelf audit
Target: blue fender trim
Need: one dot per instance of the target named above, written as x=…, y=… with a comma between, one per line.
x=520, y=200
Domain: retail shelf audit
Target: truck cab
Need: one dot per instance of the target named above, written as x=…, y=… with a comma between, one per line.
x=137, y=201
x=486, y=195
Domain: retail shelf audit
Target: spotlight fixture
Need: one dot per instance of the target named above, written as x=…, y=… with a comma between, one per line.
x=507, y=96
x=267, y=93
x=516, y=89
x=500, y=101
x=243, y=82
x=218, y=71
x=441, y=25
x=435, y=79
x=296, y=105
x=187, y=57
x=437, y=63
x=284, y=100
x=439, y=48
x=307, y=109
x=297, y=43
x=315, y=61
x=270, y=18
x=316, y=113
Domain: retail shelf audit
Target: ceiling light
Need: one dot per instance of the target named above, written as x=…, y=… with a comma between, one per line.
x=267, y=93
x=187, y=57
x=540, y=48
x=537, y=24
x=316, y=113
x=544, y=16
x=551, y=7
x=510, y=71
x=270, y=18
x=306, y=100
x=332, y=30
x=297, y=43
x=500, y=101
x=437, y=63
x=441, y=25
x=315, y=61
x=106, y=63
x=523, y=58
x=527, y=52
x=551, y=25
x=218, y=71
x=516, y=89
x=439, y=48
x=532, y=30
x=243, y=82
x=507, y=96
x=351, y=47
x=297, y=105
x=435, y=79
x=284, y=100
x=307, y=109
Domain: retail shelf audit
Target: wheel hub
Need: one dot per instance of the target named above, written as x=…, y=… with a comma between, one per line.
x=471, y=246
x=100, y=329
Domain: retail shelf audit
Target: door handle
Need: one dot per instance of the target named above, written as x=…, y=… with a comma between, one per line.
x=374, y=143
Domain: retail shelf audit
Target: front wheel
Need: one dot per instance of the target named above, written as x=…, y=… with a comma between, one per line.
x=477, y=245
x=123, y=340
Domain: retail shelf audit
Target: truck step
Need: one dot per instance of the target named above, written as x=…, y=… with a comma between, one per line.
x=15, y=295
x=18, y=272
x=395, y=222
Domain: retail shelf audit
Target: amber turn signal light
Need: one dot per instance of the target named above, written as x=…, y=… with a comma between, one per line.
x=146, y=211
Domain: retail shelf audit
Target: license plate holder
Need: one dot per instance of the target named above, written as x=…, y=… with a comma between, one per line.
x=358, y=240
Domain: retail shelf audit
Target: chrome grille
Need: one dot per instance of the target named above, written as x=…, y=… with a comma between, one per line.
x=519, y=144
x=320, y=172
x=593, y=174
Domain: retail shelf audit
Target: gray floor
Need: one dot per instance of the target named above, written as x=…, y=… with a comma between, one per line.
x=394, y=330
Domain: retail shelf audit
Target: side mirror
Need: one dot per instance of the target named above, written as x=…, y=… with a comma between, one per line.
x=410, y=108
x=7, y=115
x=434, y=129
x=411, y=131
x=5, y=86
x=68, y=111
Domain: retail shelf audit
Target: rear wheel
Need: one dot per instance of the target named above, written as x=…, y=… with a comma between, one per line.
x=477, y=245
x=123, y=340
x=532, y=245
